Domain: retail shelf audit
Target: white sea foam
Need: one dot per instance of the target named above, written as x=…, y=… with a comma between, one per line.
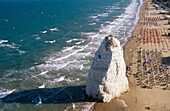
x=3, y=41
x=42, y=73
x=69, y=41
x=38, y=38
x=72, y=40
x=64, y=59
x=81, y=41
x=6, y=93
x=107, y=22
x=74, y=66
x=54, y=29
x=20, y=51
x=81, y=67
x=88, y=33
x=103, y=15
x=96, y=20
x=42, y=86
x=71, y=81
x=8, y=45
x=92, y=24
x=59, y=79
x=12, y=46
x=74, y=52
x=92, y=16
x=44, y=31
x=122, y=23
x=78, y=42
x=67, y=48
x=75, y=39
x=50, y=41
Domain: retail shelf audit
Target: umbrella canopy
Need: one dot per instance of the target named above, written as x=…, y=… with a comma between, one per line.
x=152, y=70
x=161, y=65
x=166, y=65
x=127, y=74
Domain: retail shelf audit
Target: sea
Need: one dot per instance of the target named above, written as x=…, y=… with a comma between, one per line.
x=50, y=44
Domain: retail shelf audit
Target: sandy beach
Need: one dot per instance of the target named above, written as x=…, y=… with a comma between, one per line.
x=147, y=57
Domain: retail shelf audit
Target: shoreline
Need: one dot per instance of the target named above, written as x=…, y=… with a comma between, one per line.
x=115, y=104
x=138, y=98
x=136, y=20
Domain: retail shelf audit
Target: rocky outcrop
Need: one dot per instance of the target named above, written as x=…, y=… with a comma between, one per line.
x=106, y=78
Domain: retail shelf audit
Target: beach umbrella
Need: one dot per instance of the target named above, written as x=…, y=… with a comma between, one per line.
x=152, y=70
x=127, y=75
x=161, y=65
x=166, y=65
x=167, y=68
x=145, y=62
x=150, y=59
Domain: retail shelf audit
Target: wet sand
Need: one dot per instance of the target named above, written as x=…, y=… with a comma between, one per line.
x=150, y=35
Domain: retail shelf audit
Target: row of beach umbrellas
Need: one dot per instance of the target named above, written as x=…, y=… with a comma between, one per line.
x=151, y=69
x=153, y=36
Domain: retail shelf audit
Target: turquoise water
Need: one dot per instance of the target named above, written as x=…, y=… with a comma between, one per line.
x=51, y=43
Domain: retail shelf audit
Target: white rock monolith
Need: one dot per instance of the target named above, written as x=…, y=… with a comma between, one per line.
x=106, y=78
